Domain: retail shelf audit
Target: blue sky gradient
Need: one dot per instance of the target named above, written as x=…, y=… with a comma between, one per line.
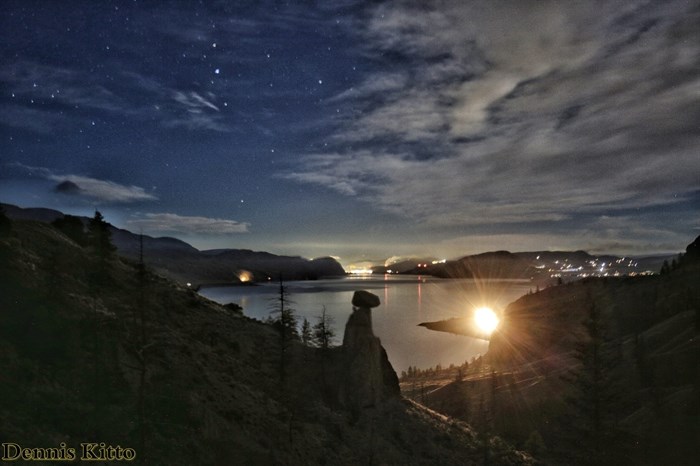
x=360, y=129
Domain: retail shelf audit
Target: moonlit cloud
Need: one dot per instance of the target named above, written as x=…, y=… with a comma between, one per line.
x=102, y=190
x=93, y=189
x=365, y=129
x=173, y=223
x=195, y=121
x=66, y=87
x=380, y=83
x=38, y=121
x=60, y=85
x=522, y=112
x=194, y=102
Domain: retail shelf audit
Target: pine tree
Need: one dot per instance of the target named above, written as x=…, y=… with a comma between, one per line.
x=322, y=337
x=595, y=399
x=100, y=243
x=100, y=237
x=323, y=332
x=306, y=335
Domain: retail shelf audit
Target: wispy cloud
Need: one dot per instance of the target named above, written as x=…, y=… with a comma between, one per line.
x=512, y=112
x=195, y=111
x=93, y=189
x=103, y=190
x=197, y=121
x=194, y=102
x=173, y=223
x=38, y=121
x=375, y=85
x=45, y=96
x=59, y=85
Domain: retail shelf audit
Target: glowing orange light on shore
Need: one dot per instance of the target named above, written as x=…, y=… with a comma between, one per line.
x=486, y=320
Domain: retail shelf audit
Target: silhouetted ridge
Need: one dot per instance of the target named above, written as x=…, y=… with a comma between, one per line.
x=182, y=262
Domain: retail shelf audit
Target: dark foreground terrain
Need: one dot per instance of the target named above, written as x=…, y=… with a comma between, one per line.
x=96, y=348
x=599, y=371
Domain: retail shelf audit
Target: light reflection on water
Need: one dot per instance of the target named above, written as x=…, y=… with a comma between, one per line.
x=406, y=301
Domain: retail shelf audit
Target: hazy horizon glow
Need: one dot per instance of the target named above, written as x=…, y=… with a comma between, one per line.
x=362, y=130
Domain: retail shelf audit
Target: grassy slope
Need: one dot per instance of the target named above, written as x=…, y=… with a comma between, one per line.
x=70, y=351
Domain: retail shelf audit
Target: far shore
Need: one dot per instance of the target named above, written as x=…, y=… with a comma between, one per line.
x=221, y=285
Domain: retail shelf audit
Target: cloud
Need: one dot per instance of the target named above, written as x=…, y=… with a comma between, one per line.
x=516, y=112
x=197, y=112
x=67, y=187
x=94, y=189
x=173, y=223
x=100, y=190
x=59, y=85
x=63, y=90
x=195, y=121
x=39, y=121
x=194, y=102
x=374, y=85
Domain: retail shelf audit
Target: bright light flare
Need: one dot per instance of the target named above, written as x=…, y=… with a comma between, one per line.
x=486, y=320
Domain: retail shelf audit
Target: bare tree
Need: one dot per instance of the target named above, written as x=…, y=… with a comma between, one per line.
x=286, y=324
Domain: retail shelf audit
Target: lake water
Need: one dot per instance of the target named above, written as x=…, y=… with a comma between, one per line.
x=406, y=301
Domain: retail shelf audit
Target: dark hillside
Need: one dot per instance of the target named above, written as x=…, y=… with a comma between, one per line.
x=183, y=263
x=628, y=347
x=498, y=264
x=101, y=350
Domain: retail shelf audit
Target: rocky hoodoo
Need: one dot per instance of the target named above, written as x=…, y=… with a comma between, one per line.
x=369, y=377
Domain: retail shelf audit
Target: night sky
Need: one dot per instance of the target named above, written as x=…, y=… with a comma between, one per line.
x=362, y=130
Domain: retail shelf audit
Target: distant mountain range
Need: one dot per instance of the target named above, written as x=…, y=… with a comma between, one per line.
x=535, y=265
x=182, y=262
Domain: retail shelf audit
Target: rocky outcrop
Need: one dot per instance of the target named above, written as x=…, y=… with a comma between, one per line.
x=369, y=377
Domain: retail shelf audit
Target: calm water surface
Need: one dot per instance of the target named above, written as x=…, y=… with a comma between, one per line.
x=406, y=301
